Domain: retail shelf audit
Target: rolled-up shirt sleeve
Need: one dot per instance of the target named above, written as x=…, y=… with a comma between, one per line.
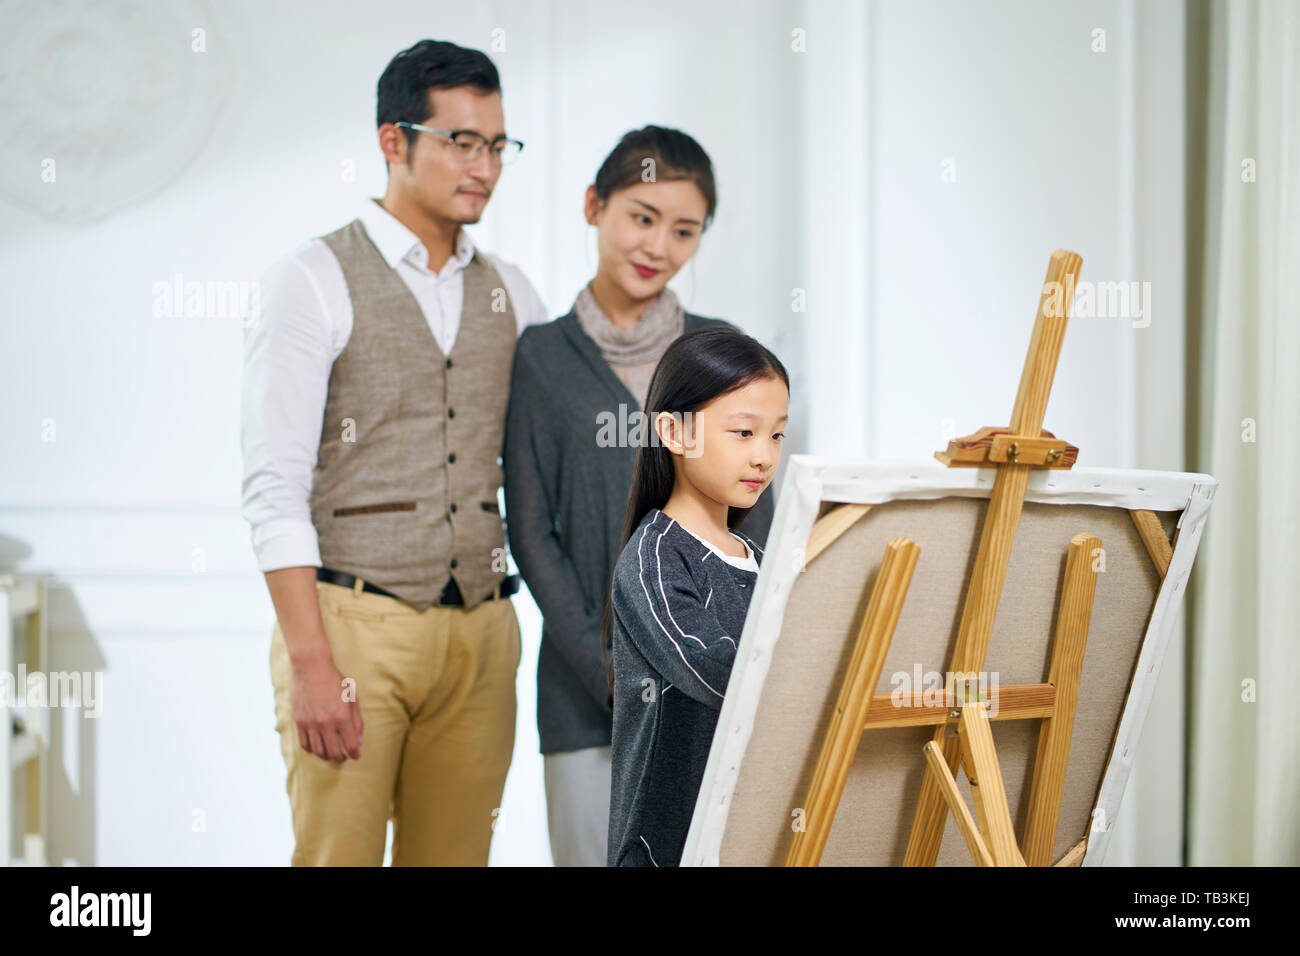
x=288, y=354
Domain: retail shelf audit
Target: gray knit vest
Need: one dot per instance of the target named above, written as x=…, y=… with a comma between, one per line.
x=404, y=492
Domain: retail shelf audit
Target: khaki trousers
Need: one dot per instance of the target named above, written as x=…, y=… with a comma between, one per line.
x=437, y=696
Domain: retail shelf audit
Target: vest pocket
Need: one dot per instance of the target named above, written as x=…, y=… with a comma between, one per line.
x=374, y=509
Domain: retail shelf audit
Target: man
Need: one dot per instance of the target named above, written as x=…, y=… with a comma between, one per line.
x=374, y=396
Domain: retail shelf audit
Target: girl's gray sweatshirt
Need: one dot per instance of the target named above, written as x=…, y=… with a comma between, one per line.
x=679, y=610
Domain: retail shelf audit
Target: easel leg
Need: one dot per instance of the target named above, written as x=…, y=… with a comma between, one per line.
x=981, y=607
x=948, y=787
x=986, y=786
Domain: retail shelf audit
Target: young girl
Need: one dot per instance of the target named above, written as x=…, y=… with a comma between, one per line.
x=717, y=406
x=567, y=473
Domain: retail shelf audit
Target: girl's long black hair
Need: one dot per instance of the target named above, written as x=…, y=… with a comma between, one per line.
x=697, y=367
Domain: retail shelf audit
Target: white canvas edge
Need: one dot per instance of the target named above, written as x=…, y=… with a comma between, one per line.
x=811, y=479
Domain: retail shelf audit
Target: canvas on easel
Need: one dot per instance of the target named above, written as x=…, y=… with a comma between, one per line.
x=839, y=742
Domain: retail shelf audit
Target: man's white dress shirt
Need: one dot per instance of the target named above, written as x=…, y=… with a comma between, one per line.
x=306, y=319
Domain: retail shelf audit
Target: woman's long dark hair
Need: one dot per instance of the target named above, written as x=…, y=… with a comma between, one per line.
x=697, y=367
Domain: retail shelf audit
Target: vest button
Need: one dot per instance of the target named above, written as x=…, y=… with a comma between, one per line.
x=453, y=562
x=451, y=413
x=452, y=457
x=453, y=507
x=448, y=363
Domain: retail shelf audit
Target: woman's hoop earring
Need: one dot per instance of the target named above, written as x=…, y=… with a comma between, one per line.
x=586, y=248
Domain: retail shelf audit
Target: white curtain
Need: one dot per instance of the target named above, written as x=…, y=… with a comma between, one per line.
x=1244, y=747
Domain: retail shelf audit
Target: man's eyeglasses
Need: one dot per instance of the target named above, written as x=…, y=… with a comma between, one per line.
x=467, y=145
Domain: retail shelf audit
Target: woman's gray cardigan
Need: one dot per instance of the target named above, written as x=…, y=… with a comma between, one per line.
x=566, y=500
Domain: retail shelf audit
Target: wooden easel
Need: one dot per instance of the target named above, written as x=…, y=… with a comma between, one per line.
x=1015, y=451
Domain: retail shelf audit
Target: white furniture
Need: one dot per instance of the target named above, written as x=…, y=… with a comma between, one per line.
x=23, y=611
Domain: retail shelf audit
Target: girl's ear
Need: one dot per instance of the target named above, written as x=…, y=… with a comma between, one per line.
x=668, y=428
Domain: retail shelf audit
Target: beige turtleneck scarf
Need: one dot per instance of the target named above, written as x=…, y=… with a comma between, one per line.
x=633, y=353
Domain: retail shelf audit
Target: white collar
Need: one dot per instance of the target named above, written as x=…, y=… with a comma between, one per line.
x=747, y=563
x=396, y=242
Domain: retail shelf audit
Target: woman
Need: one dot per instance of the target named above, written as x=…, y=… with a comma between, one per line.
x=572, y=428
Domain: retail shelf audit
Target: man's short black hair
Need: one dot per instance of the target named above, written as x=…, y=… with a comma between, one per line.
x=429, y=65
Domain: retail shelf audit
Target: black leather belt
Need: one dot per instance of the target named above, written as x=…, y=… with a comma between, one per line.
x=450, y=596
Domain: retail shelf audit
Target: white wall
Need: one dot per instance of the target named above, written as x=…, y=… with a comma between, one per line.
x=920, y=293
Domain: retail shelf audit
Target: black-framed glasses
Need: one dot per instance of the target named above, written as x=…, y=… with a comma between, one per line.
x=467, y=145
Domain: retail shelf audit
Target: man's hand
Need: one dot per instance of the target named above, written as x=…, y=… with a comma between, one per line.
x=324, y=718
x=329, y=724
